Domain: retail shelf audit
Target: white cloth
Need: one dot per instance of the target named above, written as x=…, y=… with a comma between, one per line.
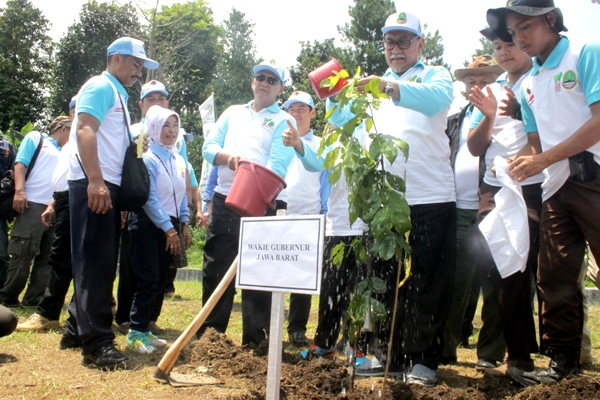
x=36, y=186
x=59, y=177
x=506, y=228
x=304, y=187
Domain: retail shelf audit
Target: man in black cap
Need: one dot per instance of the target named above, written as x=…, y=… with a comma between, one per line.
x=560, y=103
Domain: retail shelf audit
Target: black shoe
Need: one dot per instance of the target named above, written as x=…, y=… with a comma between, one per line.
x=10, y=303
x=485, y=363
x=561, y=367
x=67, y=341
x=106, y=357
x=298, y=338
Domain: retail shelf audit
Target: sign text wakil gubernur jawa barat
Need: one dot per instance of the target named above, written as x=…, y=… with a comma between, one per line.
x=278, y=252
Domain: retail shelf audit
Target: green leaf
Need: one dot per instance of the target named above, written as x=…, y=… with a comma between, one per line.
x=333, y=81
x=379, y=285
x=331, y=158
x=337, y=254
x=395, y=182
x=373, y=86
x=379, y=311
x=26, y=129
x=362, y=287
x=389, y=149
x=326, y=83
x=387, y=247
x=334, y=174
x=402, y=145
x=375, y=147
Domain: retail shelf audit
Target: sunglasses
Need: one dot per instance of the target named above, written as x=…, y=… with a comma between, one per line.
x=270, y=79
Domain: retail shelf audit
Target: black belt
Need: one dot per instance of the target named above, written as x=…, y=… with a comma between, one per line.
x=60, y=195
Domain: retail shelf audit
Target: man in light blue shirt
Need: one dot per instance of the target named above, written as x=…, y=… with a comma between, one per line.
x=243, y=132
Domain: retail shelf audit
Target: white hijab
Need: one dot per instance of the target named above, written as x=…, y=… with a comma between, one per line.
x=156, y=117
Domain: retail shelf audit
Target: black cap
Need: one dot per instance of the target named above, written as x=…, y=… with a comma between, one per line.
x=489, y=34
x=496, y=17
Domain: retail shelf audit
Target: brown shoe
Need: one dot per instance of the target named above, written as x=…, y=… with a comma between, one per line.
x=523, y=365
x=124, y=327
x=155, y=329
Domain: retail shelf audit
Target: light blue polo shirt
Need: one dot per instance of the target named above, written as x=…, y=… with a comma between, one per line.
x=98, y=97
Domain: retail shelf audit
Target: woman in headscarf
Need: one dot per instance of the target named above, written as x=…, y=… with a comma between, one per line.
x=154, y=229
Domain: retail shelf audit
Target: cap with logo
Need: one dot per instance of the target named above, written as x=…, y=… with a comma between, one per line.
x=402, y=21
x=480, y=65
x=299, y=97
x=131, y=47
x=153, y=86
x=496, y=17
x=271, y=66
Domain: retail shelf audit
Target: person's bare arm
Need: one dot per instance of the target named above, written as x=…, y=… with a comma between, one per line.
x=20, y=199
x=98, y=194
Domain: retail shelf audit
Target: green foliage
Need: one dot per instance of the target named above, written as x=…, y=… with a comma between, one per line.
x=184, y=40
x=433, y=50
x=233, y=72
x=25, y=59
x=363, y=303
x=16, y=137
x=195, y=253
x=81, y=53
x=363, y=34
x=487, y=47
x=375, y=195
x=312, y=55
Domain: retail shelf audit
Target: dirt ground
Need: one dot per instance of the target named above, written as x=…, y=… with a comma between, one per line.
x=32, y=367
x=244, y=373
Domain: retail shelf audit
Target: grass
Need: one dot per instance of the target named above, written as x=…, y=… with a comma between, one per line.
x=32, y=367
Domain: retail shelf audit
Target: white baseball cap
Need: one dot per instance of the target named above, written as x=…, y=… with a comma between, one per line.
x=299, y=97
x=403, y=21
x=153, y=86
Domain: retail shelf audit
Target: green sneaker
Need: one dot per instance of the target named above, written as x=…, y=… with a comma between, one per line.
x=154, y=341
x=138, y=341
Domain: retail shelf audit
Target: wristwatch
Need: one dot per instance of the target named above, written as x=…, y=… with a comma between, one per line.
x=389, y=89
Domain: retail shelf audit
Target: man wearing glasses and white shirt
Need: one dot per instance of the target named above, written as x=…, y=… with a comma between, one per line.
x=250, y=132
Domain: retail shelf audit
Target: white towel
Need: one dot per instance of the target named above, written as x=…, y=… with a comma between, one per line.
x=506, y=228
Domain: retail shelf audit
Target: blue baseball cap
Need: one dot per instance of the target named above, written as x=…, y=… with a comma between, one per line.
x=131, y=47
x=271, y=66
x=153, y=86
x=299, y=97
x=403, y=21
x=73, y=101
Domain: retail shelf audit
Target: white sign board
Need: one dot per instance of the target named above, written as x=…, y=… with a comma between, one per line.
x=281, y=254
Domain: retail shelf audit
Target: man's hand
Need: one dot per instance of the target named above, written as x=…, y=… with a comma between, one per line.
x=527, y=166
x=98, y=197
x=20, y=201
x=486, y=104
x=362, y=84
x=48, y=215
x=187, y=238
x=233, y=162
x=291, y=138
x=510, y=105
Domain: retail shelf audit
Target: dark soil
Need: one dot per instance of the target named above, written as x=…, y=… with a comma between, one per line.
x=244, y=373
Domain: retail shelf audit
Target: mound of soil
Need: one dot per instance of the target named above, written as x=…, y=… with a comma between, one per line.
x=244, y=374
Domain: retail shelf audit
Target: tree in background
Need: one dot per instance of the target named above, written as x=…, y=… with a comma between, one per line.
x=81, y=52
x=487, y=47
x=433, y=50
x=364, y=36
x=184, y=40
x=25, y=59
x=312, y=56
x=234, y=69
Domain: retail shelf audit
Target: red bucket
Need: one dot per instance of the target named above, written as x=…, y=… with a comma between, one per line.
x=323, y=72
x=254, y=189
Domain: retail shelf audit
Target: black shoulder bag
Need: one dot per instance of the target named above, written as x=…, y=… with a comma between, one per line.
x=7, y=186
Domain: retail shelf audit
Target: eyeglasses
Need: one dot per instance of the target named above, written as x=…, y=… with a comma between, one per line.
x=270, y=79
x=402, y=44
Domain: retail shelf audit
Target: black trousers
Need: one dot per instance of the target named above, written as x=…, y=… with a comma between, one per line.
x=95, y=244
x=59, y=261
x=150, y=263
x=299, y=312
x=424, y=300
x=220, y=251
x=511, y=316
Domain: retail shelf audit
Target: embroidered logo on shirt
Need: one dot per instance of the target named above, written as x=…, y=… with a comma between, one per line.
x=530, y=97
x=569, y=80
x=557, y=79
x=416, y=79
x=268, y=122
